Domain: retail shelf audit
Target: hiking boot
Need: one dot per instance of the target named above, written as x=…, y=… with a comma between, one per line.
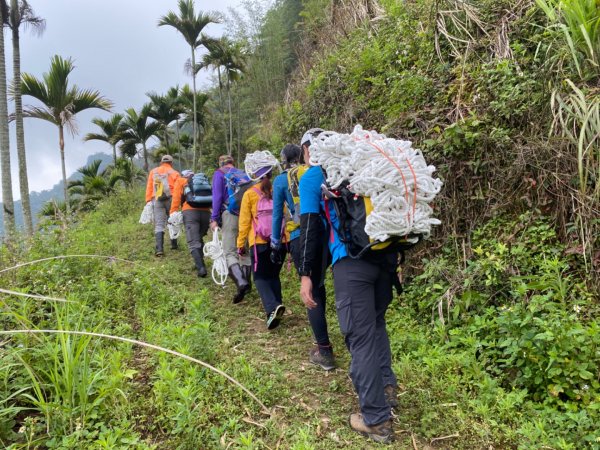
x=322, y=356
x=275, y=317
x=391, y=395
x=382, y=433
x=199, y=262
x=159, y=250
x=237, y=275
x=174, y=245
x=247, y=270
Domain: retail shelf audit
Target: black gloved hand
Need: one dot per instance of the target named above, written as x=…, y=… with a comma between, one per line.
x=276, y=256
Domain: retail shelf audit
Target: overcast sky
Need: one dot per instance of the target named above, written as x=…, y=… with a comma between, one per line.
x=117, y=49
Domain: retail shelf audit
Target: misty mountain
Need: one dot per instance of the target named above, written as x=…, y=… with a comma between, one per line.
x=38, y=199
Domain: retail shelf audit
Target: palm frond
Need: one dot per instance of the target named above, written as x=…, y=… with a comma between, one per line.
x=96, y=137
x=88, y=99
x=34, y=87
x=40, y=113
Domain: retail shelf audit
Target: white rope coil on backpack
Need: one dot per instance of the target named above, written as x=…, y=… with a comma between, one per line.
x=257, y=160
x=175, y=224
x=393, y=174
x=214, y=251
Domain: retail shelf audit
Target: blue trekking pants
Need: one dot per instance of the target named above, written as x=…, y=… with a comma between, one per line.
x=363, y=292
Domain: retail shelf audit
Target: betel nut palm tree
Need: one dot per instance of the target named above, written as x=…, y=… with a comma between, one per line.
x=112, y=132
x=137, y=130
x=8, y=205
x=187, y=98
x=228, y=59
x=165, y=109
x=94, y=184
x=60, y=103
x=190, y=25
x=22, y=15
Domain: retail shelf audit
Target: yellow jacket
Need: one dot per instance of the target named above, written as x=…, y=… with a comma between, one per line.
x=248, y=213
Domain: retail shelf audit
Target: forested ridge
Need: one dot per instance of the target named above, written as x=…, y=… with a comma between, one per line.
x=495, y=338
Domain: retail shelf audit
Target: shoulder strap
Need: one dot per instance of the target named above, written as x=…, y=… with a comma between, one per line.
x=258, y=191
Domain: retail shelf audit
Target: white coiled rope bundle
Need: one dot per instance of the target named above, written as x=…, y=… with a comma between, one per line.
x=175, y=224
x=147, y=214
x=393, y=174
x=214, y=251
x=257, y=160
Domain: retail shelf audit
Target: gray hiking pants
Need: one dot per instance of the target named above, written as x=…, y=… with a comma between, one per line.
x=161, y=214
x=196, y=226
x=230, y=229
x=363, y=292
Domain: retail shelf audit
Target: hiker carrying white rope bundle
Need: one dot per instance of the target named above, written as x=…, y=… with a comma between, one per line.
x=259, y=160
x=375, y=201
x=214, y=251
x=193, y=196
x=392, y=174
x=159, y=193
x=228, y=186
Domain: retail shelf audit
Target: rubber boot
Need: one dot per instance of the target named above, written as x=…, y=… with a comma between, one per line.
x=247, y=270
x=199, y=262
x=174, y=244
x=237, y=275
x=159, y=243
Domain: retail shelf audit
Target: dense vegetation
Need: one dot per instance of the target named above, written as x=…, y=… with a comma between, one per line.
x=496, y=338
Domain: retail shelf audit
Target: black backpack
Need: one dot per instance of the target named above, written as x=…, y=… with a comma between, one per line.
x=352, y=211
x=198, y=192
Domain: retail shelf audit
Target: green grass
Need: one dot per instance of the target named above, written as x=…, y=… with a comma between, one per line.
x=122, y=397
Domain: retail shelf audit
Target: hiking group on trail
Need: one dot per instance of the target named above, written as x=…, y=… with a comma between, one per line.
x=323, y=209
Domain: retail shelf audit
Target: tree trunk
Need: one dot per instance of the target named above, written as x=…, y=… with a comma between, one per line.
x=21, y=154
x=166, y=135
x=61, y=143
x=239, y=129
x=146, y=166
x=114, y=146
x=178, y=142
x=230, y=116
x=194, y=107
x=223, y=110
x=7, y=195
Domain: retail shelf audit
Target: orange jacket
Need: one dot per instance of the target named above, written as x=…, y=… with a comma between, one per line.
x=177, y=200
x=248, y=211
x=163, y=168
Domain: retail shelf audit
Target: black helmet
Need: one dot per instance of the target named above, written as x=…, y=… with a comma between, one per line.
x=290, y=154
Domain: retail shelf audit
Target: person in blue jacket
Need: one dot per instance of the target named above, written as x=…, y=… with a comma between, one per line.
x=363, y=291
x=321, y=354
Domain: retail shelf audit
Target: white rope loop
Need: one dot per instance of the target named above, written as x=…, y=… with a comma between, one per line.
x=147, y=214
x=214, y=251
x=175, y=224
x=258, y=160
x=391, y=172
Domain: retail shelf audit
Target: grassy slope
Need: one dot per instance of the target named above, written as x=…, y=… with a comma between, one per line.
x=170, y=403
